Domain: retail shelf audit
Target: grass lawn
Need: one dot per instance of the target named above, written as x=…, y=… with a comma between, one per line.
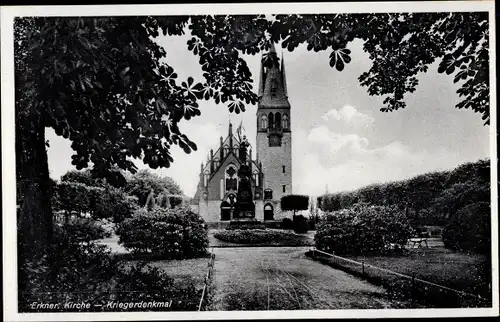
x=183, y=271
x=442, y=266
x=459, y=271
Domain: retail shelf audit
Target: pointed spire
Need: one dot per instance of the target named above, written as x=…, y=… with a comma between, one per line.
x=272, y=89
x=230, y=136
x=211, y=160
x=283, y=76
x=221, y=149
x=261, y=79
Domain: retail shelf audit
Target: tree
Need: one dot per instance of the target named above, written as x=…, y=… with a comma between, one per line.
x=85, y=177
x=150, y=202
x=470, y=228
x=460, y=195
x=73, y=197
x=102, y=83
x=294, y=203
x=144, y=181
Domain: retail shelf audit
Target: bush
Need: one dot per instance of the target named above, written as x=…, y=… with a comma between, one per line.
x=259, y=236
x=114, y=204
x=241, y=225
x=174, y=233
x=300, y=224
x=83, y=230
x=76, y=272
x=362, y=229
x=287, y=223
x=469, y=229
x=70, y=271
x=311, y=223
x=145, y=283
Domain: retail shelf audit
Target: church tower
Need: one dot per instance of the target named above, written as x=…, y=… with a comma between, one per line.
x=274, y=136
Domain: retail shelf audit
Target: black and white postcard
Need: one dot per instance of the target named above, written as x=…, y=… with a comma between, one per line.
x=221, y=161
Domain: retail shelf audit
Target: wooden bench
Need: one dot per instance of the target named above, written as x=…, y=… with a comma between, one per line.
x=417, y=241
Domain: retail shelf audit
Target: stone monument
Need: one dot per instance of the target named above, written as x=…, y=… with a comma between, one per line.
x=244, y=208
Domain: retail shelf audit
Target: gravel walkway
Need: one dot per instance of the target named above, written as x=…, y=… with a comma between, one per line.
x=270, y=278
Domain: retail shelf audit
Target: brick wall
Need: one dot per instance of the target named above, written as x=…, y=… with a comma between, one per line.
x=273, y=159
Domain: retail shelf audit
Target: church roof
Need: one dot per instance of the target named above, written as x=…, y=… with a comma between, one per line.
x=272, y=83
x=230, y=144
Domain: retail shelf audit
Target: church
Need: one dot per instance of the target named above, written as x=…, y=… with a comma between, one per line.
x=271, y=168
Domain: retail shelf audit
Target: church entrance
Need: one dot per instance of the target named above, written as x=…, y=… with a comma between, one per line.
x=268, y=212
x=225, y=211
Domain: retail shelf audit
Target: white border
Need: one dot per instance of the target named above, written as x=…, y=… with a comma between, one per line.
x=8, y=149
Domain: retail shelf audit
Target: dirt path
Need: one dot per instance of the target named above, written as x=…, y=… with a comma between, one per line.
x=282, y=278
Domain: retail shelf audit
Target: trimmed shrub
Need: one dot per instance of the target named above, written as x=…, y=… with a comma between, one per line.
x=469, y=229
x=294, y=203
x=82, y=230
x=236, y=225
x=287, y=223
x=173, y=233
x=300, y=224
x=363, y=229
x=260, y=236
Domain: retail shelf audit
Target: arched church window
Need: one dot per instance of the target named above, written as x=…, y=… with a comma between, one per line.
x=286, y=122
x=205, y=179
x=256, y=178
x=268, y=194
x=263, y=122
x=231, y=178
x=222, y=191
x=277, y=120
x=271, y=120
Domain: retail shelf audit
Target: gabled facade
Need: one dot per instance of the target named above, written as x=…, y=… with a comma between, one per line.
x=271, y=169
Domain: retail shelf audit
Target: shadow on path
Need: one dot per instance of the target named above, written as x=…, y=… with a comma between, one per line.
x=270, y=278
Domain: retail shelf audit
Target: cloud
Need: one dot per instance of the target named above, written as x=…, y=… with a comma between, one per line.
x=335, y=142
x=347, y=162
x=349, y=115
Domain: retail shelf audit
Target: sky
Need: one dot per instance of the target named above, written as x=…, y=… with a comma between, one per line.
x=340, y=139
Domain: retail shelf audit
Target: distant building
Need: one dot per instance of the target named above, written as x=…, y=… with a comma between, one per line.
x=272, y=166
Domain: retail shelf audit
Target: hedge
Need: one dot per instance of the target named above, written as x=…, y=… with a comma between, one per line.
x=363, y=229
x=469, y=229
x=261, y=236
x=172, y=233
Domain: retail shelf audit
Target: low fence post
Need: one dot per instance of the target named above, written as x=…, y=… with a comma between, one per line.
x=363, y=268
x=207, y=279
x=413, y=286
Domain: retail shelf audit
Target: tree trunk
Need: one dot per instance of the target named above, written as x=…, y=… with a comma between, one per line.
x=35, y=216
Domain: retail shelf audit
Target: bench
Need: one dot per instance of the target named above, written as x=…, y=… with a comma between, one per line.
x=417, y=242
